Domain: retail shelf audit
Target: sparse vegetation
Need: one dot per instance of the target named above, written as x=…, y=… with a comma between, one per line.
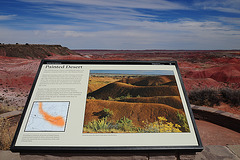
x=4, y=109
x=182, y=121
x=211, y=96
x=161, y=126
x=208, y=97
x=120, y=98
x=107, y=112
x=125, y=125
x=100, y=126
x=89, y=97
x=110, y=98
x=6, y=134
x=103, y=125
x=230, y=96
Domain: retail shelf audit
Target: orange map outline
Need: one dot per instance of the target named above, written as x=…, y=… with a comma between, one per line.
x=56, y=121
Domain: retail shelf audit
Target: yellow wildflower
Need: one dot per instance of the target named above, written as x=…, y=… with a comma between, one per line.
x=162, y=119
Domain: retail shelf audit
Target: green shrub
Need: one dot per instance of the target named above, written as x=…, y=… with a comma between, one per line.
x=100, y=125
x=230, y=96
x=182, y=121
x=103, y=125
x=110, y=98
x=128, y=95
x=125, y=125
x=119, y=98
x=208, y=97
x=89, y=97
x=107, y=112
x=211, y=96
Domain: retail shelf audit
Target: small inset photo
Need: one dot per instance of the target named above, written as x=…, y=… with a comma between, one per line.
x=48, y=117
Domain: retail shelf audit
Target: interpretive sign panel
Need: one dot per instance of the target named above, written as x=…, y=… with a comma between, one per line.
x=107, y=105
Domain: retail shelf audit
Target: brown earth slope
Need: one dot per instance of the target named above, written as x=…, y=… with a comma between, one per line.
x=149, y=81
x=173, y=101
x=137, y=112
x=118, y=89
x=98, y=82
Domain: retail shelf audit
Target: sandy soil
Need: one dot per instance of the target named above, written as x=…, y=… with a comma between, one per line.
x=227, y=108
x=16, y=78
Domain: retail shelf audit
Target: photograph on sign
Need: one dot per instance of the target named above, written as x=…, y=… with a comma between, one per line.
x=133, y=101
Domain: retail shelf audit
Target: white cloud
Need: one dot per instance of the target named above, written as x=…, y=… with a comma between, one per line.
x=150, y=4
x=230, y=6
x=149, y=35
x=230, y=20
x=7, y=17
x=97, y=14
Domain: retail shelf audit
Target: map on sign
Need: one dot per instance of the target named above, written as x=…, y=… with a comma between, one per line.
x=47, y=116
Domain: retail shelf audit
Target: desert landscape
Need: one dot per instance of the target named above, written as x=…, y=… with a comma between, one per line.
x=211, y=77
x=133, y=103
x=200, y=70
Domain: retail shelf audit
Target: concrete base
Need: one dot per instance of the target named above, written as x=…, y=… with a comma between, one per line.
x=8, y=155
x=210, y=152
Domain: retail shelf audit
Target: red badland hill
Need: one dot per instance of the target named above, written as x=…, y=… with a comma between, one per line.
x=195, y=83
x=18, y=67
x=227, y=73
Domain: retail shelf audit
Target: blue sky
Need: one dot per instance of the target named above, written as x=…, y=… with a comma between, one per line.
x=122, y=24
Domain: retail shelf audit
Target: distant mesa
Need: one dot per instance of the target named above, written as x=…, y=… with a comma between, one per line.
x=33, y=50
